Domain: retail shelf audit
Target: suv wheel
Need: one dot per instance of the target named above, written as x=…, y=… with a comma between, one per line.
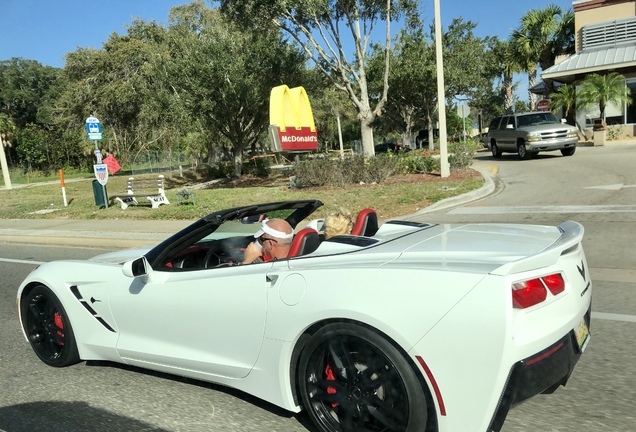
x=522, y=152
x=568, y=151
x=496, y=153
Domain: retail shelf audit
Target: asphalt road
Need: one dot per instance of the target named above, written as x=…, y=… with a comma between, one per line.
x=596, y=186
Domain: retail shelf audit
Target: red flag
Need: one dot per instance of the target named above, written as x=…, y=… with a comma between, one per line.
x=112, y=164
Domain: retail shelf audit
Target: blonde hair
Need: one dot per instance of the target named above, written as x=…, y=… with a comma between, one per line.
x=338, y=223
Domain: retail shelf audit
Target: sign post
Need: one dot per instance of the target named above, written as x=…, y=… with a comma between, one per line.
x=464, y=111
x=94, y=130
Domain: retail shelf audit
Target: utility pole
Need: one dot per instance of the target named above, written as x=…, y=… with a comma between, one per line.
x=5, y=167
x=441, y=94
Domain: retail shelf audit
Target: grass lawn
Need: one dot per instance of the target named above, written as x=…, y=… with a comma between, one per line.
x=400, y=195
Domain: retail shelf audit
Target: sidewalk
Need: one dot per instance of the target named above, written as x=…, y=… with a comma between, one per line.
x=122, y=234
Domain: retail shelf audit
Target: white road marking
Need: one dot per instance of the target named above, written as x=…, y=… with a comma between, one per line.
x=545, y=209
x=17, y=261
x=614, y=317
x=617, y=186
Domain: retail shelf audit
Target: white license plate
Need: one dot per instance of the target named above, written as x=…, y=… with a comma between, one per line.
x=582, y=334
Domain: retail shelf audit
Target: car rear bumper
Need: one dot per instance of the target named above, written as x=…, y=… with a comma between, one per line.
x=542, y=372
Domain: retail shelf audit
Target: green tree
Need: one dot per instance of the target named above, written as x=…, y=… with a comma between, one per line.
x=603, y=90
x=124, y=85
x=564, y=98
x=412, y=97
x=227, y=73
x=323, y=28
x=542, y=36
x=508, y=65
x=23, y=88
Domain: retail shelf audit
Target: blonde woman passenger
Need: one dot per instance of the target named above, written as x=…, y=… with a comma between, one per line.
x=338, y=223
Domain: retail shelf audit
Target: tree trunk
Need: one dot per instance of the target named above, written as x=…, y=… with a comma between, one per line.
x=368, y=147
x=238, y=161
x=431, y=131
x=532, y=80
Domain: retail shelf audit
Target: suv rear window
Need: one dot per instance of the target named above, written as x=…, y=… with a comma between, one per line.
x=494, y=124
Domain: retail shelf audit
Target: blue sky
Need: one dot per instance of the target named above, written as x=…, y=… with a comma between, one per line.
x=45, y=30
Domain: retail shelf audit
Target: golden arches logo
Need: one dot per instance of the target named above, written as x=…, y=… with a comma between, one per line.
x=291, y=120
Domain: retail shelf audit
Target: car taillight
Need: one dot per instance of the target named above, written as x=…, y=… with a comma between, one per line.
x=554, y=283
x=533, y=291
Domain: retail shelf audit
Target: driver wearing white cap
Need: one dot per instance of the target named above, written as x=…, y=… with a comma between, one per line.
x=273, y=242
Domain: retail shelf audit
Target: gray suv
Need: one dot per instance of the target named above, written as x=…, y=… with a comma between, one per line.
x=529, y=133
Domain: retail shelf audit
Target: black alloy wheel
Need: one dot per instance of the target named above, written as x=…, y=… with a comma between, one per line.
x=496, y=153
x=352, y=379
x=48, y=328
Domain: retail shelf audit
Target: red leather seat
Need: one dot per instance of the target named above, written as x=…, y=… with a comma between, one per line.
x=366, y=223
x=305, y=241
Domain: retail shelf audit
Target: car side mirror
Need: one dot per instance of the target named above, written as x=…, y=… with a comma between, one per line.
x=564, y=121
x=509, y=126
x=136, y=267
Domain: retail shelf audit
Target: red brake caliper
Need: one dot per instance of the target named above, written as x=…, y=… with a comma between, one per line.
x=331, y=377
x=60, y=325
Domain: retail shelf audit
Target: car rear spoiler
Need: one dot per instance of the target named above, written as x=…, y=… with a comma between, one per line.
x=571, y=237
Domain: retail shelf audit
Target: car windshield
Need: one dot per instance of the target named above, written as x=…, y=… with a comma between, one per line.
x=536, y=119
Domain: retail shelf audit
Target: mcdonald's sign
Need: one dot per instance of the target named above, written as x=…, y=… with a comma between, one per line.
x=291, y=122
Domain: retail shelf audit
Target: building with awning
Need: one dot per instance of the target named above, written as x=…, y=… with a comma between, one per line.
x=605, y=32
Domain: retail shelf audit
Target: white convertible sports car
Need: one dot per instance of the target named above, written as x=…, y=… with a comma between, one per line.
x=409, y=327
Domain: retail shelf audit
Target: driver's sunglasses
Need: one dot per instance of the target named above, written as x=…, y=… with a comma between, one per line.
x=262, y=239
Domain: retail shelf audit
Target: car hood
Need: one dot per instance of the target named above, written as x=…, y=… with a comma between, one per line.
x=121, y=257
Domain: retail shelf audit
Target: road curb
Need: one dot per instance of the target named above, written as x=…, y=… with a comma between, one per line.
x=487, y=170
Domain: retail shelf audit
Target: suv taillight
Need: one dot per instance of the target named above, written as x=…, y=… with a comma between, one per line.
x=533, y=291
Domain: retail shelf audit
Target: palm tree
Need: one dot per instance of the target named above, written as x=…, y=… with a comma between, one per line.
x=603, y=90
x=508, y=65
x=564, y=98
x=526, y=53
x=543, y=35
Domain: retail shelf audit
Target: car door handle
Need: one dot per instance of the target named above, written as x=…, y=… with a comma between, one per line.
x=271, y=279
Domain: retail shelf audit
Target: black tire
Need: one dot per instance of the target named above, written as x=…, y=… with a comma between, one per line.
x=353, y=379
x=568, y=151
x=48, y=328
x=522, y=151
x=496, y=153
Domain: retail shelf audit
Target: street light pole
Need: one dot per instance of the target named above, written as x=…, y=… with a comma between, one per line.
x=5, y=166
x=441, y=94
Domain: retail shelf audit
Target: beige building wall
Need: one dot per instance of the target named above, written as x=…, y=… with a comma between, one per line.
x=597, y=11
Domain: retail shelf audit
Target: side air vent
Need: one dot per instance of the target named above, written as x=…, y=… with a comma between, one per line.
x=76, y=293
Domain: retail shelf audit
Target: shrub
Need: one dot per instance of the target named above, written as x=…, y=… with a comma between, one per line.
x=336, y=172
x=418, y=163
x=614, y=132
x=314, y=172
x=461, y=155
x=260, y=167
